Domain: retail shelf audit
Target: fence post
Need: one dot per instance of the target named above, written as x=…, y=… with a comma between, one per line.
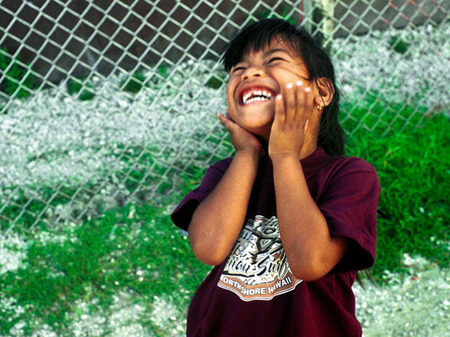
x=306, y=8
x=322, y=17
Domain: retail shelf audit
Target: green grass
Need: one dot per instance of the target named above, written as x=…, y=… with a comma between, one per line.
x=413, y=211
x=380, y=116
x=134, y=248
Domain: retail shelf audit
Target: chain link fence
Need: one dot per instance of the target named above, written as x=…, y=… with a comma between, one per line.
x=107, y=102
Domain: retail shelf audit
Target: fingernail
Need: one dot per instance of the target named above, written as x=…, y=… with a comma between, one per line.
x=307, y=89
x=279, y=97
x=289, y=86
x=299, y=83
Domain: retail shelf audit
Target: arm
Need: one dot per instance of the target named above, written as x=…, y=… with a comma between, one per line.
x=218, y=220
x=311, y=250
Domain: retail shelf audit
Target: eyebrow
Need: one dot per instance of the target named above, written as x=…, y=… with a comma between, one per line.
x=267, y=54
x=273, y=51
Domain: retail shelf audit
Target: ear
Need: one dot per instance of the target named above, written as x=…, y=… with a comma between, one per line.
x=325, y=90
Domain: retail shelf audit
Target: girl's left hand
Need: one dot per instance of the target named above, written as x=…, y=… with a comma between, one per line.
x=293, y=109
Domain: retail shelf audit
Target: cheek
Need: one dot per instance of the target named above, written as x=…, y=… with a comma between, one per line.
x=230, y=92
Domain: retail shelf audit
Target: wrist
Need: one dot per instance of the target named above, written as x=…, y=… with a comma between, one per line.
x=283, y=163
x=252, y=152
x=284, y=157
x=249, y=154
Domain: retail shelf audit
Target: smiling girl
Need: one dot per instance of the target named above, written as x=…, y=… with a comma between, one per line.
x=288, y=221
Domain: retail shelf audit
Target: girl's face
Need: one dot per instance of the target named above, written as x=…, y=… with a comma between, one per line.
x=255, y=81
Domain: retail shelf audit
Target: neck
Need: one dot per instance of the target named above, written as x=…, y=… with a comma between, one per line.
x=307, y=150
x=310, y=142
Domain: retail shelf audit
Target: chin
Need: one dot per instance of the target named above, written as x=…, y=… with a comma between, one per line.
x=262, y=132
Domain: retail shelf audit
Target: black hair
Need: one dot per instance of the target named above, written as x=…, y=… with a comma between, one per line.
x=258, y=34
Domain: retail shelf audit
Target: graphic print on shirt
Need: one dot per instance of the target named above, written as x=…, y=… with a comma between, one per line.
x=257, y=268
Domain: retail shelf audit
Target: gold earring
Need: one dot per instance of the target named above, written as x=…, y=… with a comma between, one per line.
x=319, y=107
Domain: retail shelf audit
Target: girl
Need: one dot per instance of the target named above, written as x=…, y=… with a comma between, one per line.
x=288, y=221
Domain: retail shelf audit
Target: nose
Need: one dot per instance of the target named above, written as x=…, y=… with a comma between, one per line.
x=252, y=72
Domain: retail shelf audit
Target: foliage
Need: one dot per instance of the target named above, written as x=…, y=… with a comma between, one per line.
x=399, y=45
x=83, y=88
x=270, y=14
x=216, y=81
x=19, y=80
x=134, y=83
x=138, y=80
x=164, y=71
x=369, y=64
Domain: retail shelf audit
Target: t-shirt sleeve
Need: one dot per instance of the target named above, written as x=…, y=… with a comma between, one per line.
x=350, y=208
x=182, y=214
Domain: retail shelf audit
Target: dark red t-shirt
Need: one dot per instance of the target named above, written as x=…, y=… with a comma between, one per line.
x=253, y=292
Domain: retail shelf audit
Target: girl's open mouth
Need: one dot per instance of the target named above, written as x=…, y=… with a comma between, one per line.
x=253, y=95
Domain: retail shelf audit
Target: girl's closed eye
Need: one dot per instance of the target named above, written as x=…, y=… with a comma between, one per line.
x=236, y=69
x=275, y=59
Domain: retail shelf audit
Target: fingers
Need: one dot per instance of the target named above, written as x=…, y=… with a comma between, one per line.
x=280, y=112
x=229, y=124
x=226, y=122
x=222, y=119
x=295, y=103
x=241, y=139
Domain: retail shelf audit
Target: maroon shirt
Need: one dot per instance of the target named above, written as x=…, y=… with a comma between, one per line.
x=253, y=292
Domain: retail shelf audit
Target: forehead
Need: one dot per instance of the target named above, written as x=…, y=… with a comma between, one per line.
x=276, y=44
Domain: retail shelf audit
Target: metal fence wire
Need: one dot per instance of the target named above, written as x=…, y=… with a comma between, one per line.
x=107, y=102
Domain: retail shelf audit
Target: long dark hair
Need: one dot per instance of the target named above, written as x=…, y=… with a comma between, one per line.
x=257, y=35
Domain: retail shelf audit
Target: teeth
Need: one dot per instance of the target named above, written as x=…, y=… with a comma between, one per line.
x=256, y=96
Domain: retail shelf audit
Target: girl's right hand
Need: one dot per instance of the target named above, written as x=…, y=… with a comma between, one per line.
x=241, y=139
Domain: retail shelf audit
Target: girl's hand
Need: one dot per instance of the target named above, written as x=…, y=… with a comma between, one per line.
x=241, y=139
x=293, y=108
